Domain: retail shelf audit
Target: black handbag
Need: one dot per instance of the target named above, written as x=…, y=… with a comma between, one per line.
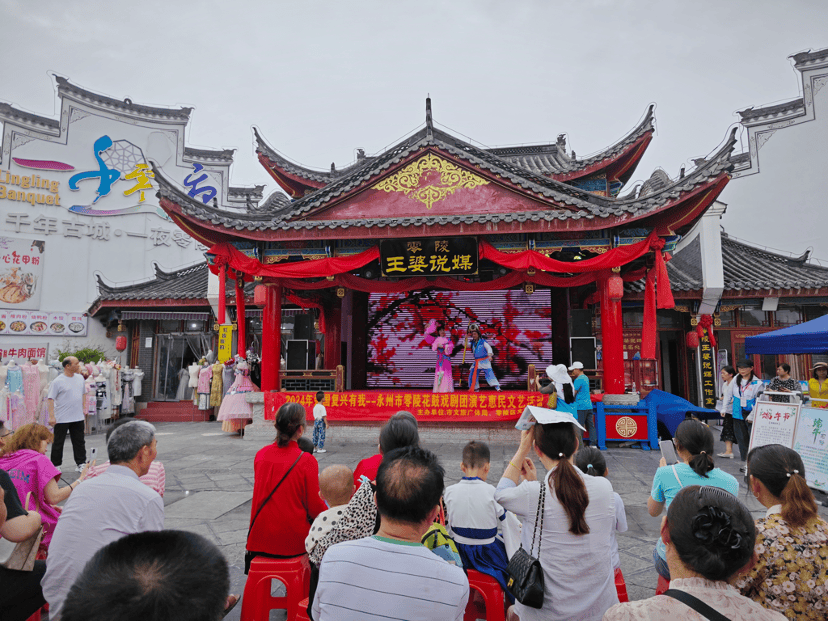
x=525, y=572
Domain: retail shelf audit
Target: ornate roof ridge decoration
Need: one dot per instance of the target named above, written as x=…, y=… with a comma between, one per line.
x=804, y=58
x=222, y=155
x=773, y=110
x=550, y=160
x=801, y=260
x=255, y=192
x=66, y=88
x=10, y=113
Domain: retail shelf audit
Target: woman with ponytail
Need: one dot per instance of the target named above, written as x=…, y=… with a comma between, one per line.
x=280, y=522
x=576, y=526
x=791, y=540
x=694, y=446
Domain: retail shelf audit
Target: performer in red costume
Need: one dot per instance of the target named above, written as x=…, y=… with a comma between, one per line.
x=443, y=346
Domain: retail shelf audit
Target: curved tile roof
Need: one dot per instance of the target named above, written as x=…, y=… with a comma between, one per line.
x=574, y=203
x=67, y=88
x=541, y=160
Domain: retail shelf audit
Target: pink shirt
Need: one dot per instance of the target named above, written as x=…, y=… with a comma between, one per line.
x=31, y=471
x=155, y=478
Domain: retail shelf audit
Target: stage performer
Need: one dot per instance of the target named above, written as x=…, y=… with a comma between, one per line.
x=482, y=353
x=442, y=345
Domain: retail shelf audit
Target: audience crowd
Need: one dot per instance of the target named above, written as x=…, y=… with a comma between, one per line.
x=388, y=540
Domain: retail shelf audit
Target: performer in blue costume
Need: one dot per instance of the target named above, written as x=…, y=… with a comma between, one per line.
x=482, y=353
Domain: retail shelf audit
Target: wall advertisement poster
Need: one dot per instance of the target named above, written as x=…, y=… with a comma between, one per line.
x=44, y=323
x=21, y=272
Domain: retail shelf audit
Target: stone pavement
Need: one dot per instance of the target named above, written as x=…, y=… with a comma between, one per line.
x=210, y=485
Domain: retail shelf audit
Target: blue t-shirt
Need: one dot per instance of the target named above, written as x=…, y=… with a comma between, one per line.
x=582, y=401
x=665, y=487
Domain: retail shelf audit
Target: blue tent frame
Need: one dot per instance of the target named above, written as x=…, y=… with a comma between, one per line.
x=807, y=338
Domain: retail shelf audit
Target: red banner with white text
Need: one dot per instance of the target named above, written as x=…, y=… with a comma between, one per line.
x=426, y=406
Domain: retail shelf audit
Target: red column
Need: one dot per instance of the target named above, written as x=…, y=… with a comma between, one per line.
x=612, y=342
x=333, y=336
x=240, y=318
x=222, y=303
x=271, y=338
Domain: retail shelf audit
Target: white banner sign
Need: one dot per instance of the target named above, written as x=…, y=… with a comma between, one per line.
x=23, y=352
x=811, y=443
x=43, y=323
x=774, y=423
x=21, y=272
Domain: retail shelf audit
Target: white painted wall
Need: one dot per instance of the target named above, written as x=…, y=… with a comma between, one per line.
x=780, y=202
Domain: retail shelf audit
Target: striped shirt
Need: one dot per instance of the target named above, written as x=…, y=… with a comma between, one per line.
x=379, y=578
x=155, y=478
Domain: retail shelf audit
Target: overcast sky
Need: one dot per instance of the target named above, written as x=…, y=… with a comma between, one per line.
x=320, y=79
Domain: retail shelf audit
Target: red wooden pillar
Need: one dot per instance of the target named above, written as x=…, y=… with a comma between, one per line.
x=271, y=337
x=240, y=317
x=222, y=302
x=333, y=334
x=612, y=341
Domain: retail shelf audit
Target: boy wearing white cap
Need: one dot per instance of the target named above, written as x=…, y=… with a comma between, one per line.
x=583, y=404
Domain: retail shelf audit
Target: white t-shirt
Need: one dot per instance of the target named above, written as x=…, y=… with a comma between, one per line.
x=319, y=412
x=68, y=395
x=381, y=579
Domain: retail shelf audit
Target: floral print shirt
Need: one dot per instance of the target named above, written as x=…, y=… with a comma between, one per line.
x=717, y=594
x=792, y=573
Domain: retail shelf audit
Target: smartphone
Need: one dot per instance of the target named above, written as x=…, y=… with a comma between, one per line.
x=668, y=451
x=93, y=453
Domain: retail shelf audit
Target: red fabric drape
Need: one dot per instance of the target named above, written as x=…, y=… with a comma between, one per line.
x=240, y=262
x=533, y=259
x=706, y=323
x=648, y=328
x=657, y=294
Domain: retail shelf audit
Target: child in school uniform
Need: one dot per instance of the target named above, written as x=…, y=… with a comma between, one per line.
x=320, y=423
x=592, y=462
x=473, y=516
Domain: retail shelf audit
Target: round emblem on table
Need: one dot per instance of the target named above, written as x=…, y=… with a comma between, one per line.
x=626, y=427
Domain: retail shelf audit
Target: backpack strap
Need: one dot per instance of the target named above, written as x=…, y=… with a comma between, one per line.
x=694, y=603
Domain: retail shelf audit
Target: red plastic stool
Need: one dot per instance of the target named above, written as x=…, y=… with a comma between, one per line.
x=257, y=601
x=621, y=587
x=303, y=610
x=663, y=585
x=492, y=595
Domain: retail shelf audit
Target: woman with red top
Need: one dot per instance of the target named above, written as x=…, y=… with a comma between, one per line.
x=279, y=525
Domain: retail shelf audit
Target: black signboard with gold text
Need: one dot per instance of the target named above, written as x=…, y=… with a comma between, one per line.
x=708, y=373
x=429, y=257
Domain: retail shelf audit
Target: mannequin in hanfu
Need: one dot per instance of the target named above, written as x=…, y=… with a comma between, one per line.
x=184, y=392
x=228, y=375
x=205, y=377
x=127, y=401
x=216, y=386
x=16, y=406
x=193, y=370
x=138, y=378
x=442, y=346
x=31, y=391
x=235, y=412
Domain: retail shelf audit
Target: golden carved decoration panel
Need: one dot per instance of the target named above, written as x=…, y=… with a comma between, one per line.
x=408, y=179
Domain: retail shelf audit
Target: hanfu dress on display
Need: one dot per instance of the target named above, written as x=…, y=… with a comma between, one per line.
x=442, y=346
x=235, y=412
x=184, y=391
x=194, y=369
x=16, y=412
x=127, y=401
x=205, y=376
x=31, y=391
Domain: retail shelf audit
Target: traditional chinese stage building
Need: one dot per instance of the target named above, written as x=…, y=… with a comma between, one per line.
x=531, y=241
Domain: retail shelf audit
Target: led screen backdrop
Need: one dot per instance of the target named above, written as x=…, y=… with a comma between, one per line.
x=516, y=325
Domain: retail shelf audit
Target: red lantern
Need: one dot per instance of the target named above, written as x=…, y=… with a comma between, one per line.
x=615, y=287
x=120, y=343
x=692, y=340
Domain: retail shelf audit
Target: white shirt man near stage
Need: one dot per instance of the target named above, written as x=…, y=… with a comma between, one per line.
x=392, y=575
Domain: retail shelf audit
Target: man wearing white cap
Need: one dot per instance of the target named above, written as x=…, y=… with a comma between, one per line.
x=582, y=402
